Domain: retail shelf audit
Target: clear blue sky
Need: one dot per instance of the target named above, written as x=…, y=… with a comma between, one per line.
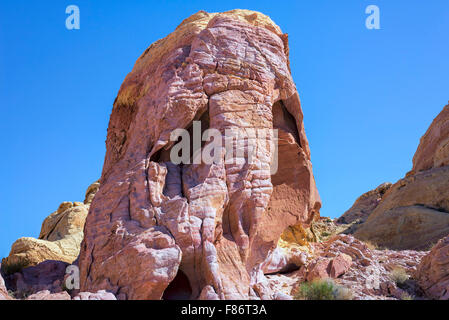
x=367, y=95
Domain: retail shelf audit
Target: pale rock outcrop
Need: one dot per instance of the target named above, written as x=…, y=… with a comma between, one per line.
x=60, y=237
x=3, y=291
x=414, y=212
x=47, y=295
x=100, y=295
x=433, y=271
x=154, y=222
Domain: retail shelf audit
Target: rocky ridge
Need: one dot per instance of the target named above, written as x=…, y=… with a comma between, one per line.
x=414, y=212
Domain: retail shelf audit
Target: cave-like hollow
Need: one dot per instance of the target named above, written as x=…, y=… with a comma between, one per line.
x=179, y=288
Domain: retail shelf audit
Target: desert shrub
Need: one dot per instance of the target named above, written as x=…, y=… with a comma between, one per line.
x=399, y=276
x=407, y=296
x=322, y=290
x=371, y=245
x=12, y=294
x=12, y=268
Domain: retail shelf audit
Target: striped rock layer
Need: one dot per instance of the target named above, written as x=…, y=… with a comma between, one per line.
x=202, y=231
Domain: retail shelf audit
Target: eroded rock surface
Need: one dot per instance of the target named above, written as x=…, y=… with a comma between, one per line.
x=433, y=149
x=364, y=205
x=433, y=271
x=154, y=222
x=3, y=291
x=60, y=237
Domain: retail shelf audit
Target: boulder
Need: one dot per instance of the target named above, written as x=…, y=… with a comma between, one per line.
x=60, y=237
x=47, y=295
x=339, y=265
x=154, y=222
x=433, y=271
x=100, y=295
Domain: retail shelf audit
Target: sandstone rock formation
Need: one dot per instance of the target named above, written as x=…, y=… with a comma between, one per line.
x=433, y=271
x=414, y=212
x=157, y=229
x=60, y=237
x=433, y=149
x=364, y=205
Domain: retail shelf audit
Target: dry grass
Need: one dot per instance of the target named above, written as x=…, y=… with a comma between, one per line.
x=399, y=275
x=371, y=245
x=407, y=296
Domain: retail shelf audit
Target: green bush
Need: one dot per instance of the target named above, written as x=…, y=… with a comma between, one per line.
x=322, y=290
x=399, y=276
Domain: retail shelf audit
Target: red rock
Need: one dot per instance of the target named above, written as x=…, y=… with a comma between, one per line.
x=151, y=219
x=433, y=149
x=319, y=269
x=433, y=271
x=339, y=265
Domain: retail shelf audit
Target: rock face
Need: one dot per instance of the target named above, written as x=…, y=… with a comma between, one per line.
x=60, y=237
x=433, y=149
x=433, y=271
x=414, y=212
x=157, y=229
x=364, y=205
x=3, y=291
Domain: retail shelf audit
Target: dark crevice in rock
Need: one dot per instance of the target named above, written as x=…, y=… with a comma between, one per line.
x=284, y=120
x=179, y=288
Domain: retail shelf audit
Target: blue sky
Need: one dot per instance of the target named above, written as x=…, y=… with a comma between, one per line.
x=367, y=95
